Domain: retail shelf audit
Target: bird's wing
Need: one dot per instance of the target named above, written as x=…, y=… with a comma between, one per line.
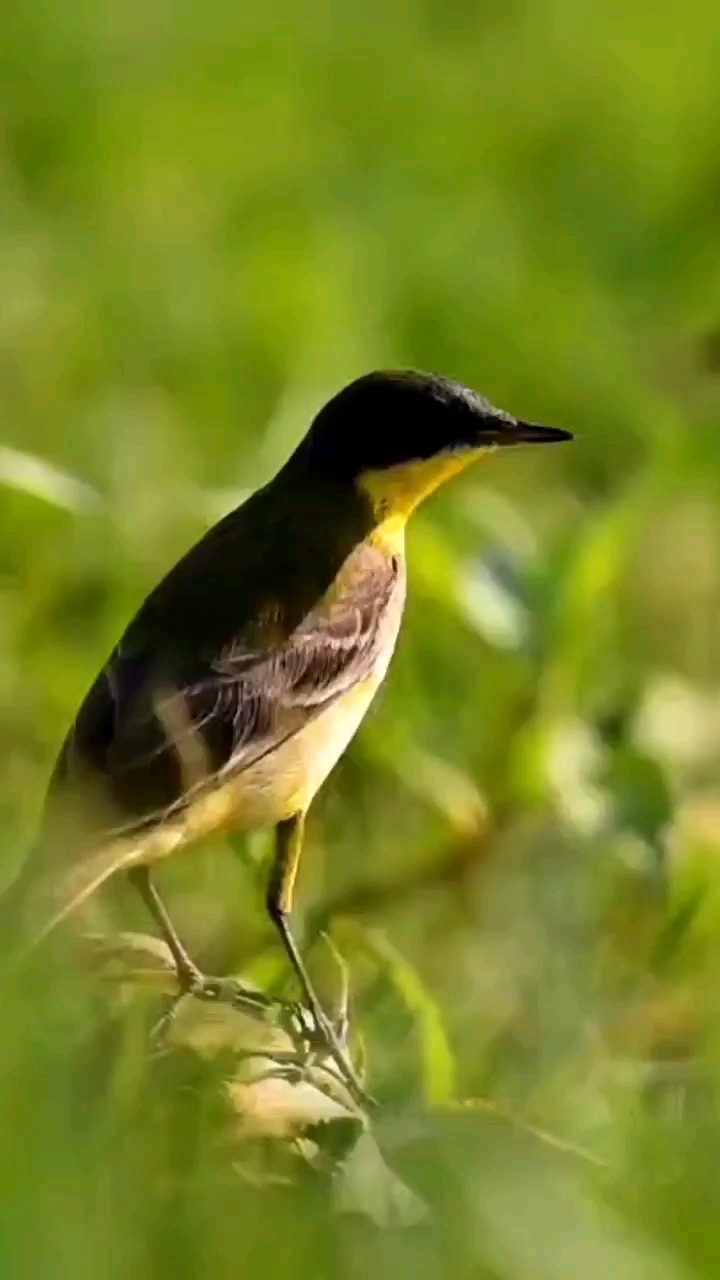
x=145, y=741
x=156, y=739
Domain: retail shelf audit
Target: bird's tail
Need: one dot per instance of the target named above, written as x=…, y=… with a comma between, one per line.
x=48, y=890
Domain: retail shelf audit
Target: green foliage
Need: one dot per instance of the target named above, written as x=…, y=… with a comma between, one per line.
x=211, y=216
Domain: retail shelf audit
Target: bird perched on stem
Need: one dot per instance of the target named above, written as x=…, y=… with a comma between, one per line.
x=246, y=672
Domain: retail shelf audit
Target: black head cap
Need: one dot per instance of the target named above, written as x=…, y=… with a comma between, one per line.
x=391, y=417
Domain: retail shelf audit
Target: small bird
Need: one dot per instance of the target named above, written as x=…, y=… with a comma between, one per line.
x=248, y=669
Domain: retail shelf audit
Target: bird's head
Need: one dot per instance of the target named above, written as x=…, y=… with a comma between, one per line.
x=398, y=435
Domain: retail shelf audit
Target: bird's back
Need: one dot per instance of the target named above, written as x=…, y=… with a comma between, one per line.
x=233, y=691
x=281, y=609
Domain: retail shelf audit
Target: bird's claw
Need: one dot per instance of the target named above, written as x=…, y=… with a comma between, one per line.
x=213, y=990
x=228, y=991
x=314, y=1035
x=318, y=1037
x=303, y=1026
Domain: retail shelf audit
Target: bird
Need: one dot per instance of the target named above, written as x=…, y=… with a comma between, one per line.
x=248, y=669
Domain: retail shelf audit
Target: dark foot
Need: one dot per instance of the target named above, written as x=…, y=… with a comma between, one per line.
x=310, y=1027
x=226, y=991
x=219, y=990
x=320, y=1033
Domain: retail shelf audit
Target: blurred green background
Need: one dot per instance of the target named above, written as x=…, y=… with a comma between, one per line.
x=211, y=217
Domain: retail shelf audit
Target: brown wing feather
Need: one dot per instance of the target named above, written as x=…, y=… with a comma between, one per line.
x=275, y=614
x=145, y=748
x=169, y=739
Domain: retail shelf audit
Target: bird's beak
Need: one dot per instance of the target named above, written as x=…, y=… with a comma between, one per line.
x=531, y=433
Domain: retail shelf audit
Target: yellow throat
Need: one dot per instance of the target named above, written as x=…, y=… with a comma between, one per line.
x=395, y=492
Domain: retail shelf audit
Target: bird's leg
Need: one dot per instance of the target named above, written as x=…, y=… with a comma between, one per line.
x=288, y=846
x=189, y=976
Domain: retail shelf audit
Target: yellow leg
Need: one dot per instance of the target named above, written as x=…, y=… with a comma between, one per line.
x=288, y=847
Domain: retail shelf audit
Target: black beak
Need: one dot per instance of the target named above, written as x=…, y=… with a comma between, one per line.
x=531, y=433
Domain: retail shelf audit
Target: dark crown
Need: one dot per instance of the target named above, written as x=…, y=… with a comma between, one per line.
x=391, y=417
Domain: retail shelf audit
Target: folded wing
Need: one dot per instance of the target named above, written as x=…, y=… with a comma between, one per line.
x=152, y=734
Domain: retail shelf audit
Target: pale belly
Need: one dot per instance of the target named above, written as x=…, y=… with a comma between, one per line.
x=279, y=786
x=285, y=781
